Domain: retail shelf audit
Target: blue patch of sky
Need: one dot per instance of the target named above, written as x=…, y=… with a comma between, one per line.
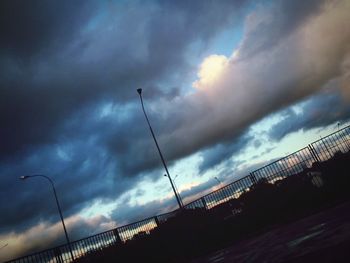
x=226, y=42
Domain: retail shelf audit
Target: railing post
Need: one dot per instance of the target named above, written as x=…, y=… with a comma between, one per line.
x=252, y=178
x=344, y=139
x=117, y=236
x=313, y=153
x=58, y=255
x=325, y=146
x=204, y=203
x=156, y=220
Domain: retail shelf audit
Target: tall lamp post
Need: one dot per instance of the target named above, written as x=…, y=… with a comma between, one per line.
x=139, y=91
x=58, y=207
x=175, y=187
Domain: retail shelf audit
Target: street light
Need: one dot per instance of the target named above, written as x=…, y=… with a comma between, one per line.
x=58, y=206
x=217, y=179
x=4, y=246
x=139, y=91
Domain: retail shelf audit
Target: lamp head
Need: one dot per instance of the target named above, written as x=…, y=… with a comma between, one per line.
x=139, y=91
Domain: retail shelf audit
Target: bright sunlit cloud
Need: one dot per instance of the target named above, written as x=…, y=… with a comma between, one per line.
x=210, y=71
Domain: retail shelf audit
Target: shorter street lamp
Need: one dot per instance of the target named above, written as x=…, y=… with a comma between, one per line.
x=4, y=246
x=58, y=206
x=217, y=179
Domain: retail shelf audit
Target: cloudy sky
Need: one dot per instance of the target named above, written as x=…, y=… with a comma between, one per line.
x=228, y=86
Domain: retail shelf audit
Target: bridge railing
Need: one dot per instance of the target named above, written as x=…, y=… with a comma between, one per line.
x=318, y=151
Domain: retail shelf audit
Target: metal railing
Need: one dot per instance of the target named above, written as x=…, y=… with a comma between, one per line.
x=318, y=151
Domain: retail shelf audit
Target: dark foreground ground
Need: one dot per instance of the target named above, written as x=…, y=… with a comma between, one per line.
x=323, y=237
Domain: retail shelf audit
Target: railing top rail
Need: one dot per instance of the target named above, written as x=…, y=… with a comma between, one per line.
x=332, y=134
x=280, y=159
x=221, y=188
x=134, y=223
x=92, y=236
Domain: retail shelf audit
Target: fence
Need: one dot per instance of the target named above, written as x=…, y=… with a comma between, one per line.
x=318, y=151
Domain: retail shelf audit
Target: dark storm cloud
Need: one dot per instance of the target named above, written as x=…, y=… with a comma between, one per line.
x=316, y=112
x=32, y=102
x=74, y=59
x=29, y=28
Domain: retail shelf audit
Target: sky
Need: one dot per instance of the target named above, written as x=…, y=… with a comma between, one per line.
x=227, y=85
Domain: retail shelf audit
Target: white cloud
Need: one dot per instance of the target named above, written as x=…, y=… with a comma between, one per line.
x=210, y=71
